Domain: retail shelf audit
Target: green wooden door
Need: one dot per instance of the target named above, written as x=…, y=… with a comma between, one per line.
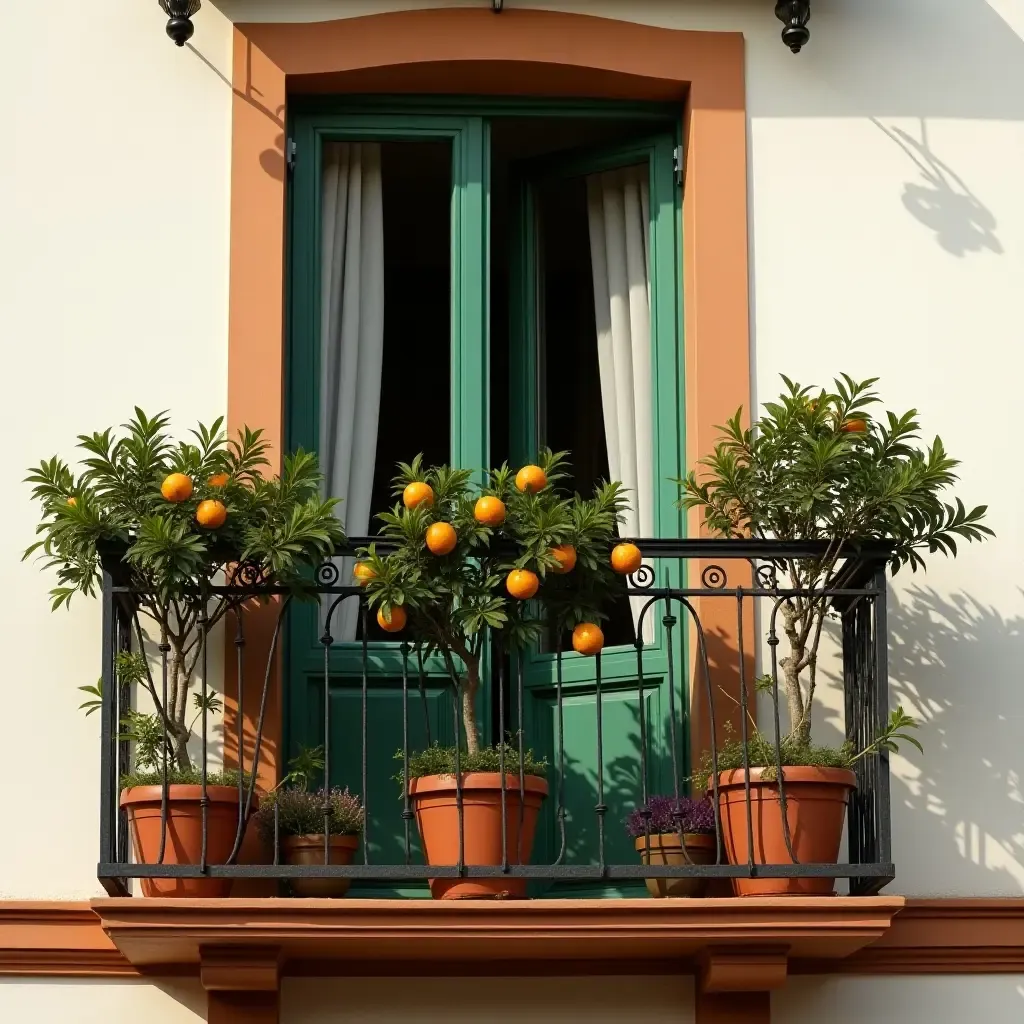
x=564, y=698
x=374, y=700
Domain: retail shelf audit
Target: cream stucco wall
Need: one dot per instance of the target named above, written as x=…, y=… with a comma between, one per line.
x=887, y=237
x=607, y=1000
x=113, y=292
x=939, y=1000
x=69, y=1001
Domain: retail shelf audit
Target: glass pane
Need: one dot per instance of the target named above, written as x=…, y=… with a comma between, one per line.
x=385, y=326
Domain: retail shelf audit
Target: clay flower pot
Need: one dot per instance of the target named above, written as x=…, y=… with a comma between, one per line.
x=816, y=800
x=310, y=850
x=433, y=799
x=184, y=842
x=663, y=849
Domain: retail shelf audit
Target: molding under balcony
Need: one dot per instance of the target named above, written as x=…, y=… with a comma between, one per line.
x=732, y=944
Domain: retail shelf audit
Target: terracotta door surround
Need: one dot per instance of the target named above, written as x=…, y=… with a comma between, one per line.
x=470, y=51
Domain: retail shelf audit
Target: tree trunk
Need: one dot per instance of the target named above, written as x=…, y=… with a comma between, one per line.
x=178, y=708
x=470, y=685
x=790, y=666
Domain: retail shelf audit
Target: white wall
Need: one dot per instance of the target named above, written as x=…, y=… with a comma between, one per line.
x=606, y=1000
x=887, y=235
x=113, y=292
x=181, y=1001
x=891, y=1000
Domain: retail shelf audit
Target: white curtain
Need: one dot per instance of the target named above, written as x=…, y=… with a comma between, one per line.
x=352, y=341
x=619, y=213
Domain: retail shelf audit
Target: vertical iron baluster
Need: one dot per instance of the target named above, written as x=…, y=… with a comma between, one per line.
x=164, y=649
x=501, y=763
x=240, y=686
x=773, y=644
x=745, y=731
x=881, y=705
x=561, y=747
x=521, y=668
x=669, y=622
x=645, y=811
x=326, y=640
x=122, y=626
x=406, y=812
x=204, y=800
x=600, y=809
x=109, y=728
x=365, y=665
x=423, y=694
x=458, y=762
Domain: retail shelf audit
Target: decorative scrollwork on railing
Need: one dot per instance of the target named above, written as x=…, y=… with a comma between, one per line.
x=327, y=574
x=249, y=573
x=714, y=578
x=767, y=577
x=642, y=578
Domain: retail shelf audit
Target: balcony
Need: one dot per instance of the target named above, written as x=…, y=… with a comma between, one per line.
x=615, y=731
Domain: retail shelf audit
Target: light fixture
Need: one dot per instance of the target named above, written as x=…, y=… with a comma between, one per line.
x=179, y=18
x=794, y=15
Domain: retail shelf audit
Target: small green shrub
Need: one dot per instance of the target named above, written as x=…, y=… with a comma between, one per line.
x=438, y=760
x=300, y=812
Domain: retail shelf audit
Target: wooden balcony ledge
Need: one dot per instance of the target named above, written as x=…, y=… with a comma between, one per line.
x=732, y=944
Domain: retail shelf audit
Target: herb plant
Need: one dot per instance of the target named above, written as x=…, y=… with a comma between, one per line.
x=665, y=814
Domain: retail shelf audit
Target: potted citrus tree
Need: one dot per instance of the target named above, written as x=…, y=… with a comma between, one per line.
x=472, y=563
x=824, y=465
x=672, y=832
x=308, y=826
x=170, y=521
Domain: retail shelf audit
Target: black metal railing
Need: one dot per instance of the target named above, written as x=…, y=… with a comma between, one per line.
x=588, y=789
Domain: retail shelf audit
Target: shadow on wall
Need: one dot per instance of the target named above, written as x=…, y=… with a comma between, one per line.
x=941, y=200
x=956, y=664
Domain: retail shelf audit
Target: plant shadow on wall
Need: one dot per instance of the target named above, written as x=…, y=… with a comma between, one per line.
x=272, y=159
x=941, y=200
x=956, y=664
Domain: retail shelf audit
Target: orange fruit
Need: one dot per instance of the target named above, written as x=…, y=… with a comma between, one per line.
x=219, y=480
x=587, y=638
x=417, y=493
x=394, y=623
x=854, y=427
x=522, y=584
x=72, y=500
x=211, y=514
x=363, y=573
x=531, y=478
x=176, y=487
x=441, y=538
x=626, y=558
x=489, y=510
x=566, y=556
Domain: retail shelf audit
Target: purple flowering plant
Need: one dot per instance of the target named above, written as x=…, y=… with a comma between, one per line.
x=671, y=814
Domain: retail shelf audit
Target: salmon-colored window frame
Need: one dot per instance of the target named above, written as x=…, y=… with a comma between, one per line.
x=469, y=51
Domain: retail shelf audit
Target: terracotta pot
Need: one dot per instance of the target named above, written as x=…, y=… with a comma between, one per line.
x=433, y=799
x=184, y=835
x=816, y=801
x=310, y=850
x=665, y=850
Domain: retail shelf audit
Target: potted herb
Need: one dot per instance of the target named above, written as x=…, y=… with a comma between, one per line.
x=311, y=826
x=670, y=832
x=819, y=465
x=171, y=521
x=468, y=564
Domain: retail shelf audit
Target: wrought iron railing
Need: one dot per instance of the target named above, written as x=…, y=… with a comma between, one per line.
x=681, y=584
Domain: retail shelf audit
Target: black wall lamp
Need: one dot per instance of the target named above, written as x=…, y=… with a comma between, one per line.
x=179, y=18
x=794, y=15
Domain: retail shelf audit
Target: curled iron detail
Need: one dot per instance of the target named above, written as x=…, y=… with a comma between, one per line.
x=643, y=577
x=767, y=577
x=714, y=578
x=248, y=574
x=327, y=574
